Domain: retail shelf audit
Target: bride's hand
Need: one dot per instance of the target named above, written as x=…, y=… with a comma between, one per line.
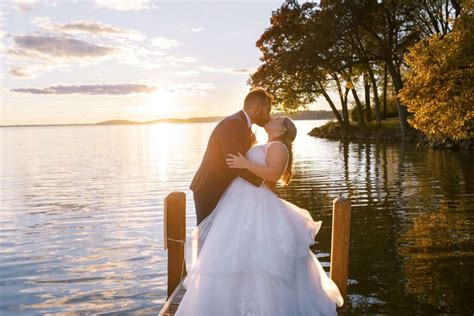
x=234, y=161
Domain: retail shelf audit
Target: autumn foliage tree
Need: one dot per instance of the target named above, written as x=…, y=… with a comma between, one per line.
x=293, y=73
x=329, y=47
x=439, y=87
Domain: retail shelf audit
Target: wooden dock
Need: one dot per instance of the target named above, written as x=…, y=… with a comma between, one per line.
x=175, y=236
x=173, y=301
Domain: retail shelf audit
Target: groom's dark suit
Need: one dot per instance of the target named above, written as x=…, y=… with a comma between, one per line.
x=230, y=136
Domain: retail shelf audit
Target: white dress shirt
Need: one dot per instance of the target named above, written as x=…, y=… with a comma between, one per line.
x=249, y=121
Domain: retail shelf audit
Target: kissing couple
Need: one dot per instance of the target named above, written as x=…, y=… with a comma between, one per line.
x=249, y=253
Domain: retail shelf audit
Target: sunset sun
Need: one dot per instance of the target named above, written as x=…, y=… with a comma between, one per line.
x=160, y=104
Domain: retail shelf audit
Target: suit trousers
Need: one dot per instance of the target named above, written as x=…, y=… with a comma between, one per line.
x=201, y=206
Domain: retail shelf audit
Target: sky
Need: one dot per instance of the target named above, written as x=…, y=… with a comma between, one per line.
x=83, y=61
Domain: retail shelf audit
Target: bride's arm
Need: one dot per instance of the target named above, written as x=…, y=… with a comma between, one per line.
x=276, y=161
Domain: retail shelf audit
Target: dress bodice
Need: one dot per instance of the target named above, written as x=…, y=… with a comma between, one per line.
x=258, y=153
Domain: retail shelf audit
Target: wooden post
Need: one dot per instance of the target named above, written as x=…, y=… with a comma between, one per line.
x=175, y=234
x=341, y=220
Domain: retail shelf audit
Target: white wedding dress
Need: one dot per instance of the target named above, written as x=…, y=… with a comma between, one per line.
x=255, y=257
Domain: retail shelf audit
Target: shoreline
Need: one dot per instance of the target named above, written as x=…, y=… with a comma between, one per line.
x=387, y=131
x=178, y=121
x=301, y=115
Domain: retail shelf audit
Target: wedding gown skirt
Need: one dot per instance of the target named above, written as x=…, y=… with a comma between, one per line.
x=254, y=259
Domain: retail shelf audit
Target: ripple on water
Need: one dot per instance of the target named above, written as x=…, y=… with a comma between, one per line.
x=82, y=218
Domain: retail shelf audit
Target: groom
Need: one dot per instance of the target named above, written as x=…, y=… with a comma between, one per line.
x=231, y=135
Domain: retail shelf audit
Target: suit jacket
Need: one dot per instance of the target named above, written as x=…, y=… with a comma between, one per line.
x=231, y=135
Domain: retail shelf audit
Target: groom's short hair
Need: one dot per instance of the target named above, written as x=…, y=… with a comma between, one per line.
x=256, y=96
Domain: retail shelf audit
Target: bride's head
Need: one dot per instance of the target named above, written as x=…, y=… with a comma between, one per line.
x=283, y=129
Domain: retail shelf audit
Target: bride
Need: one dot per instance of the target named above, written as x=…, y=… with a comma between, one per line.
x=251, y=255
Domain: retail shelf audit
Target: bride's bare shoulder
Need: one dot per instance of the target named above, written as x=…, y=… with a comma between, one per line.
x=276, y=151
x=277, y=146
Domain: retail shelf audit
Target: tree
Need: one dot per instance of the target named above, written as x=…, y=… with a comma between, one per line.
x=440, y=83
x=386, y=29
x=313, y=48
x=297, y=67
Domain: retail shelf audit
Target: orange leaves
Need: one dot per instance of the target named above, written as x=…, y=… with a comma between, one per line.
x=439, y=88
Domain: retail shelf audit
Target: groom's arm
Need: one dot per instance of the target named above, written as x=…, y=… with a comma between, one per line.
x=232, y=141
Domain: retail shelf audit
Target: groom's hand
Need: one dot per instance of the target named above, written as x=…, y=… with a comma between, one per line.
x=233, y=141
x=236, y=161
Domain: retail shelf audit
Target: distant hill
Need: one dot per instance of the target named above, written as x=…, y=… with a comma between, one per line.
x=117, y=122
x=164, y=120
x=302, y=115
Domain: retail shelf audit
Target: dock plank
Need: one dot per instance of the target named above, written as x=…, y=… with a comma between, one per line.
x=172, y=303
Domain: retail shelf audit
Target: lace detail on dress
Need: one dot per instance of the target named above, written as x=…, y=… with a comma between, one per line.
x=245, y=301
x=285, y=238
x=285, y=243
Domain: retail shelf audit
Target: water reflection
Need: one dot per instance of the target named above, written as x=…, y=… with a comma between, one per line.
x=82, y=217
x=411, y=239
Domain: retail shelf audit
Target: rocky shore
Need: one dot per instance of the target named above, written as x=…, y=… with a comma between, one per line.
x=386, y=131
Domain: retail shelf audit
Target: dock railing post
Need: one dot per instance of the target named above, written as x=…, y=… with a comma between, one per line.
x=175, y=234
x=341, y=221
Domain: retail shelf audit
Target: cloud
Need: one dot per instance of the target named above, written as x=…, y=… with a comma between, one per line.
x=59, y=46
x=91, y=89
x=23, y=5
x=84, y=43
x=18, y=72
x=61, y=51
x=88, y=27
x=119, y=89
x=197, y=29
x=126, y=5
x=179, y=60
x=26, y=6
x=34, y=70
x=3, y=16
x=233, y=71
x=164, y=43
x=184, y=73
x=31, y=55
x=188, y=89
x=146, y=59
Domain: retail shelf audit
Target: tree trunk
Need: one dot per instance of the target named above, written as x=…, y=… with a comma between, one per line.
x=345, y=111
x=398, y=85
x=385, y=79
x=342, y=98
x=368, y=110
x=333, y=107
x=376, y=94
x=360, y=111
x=457, y=7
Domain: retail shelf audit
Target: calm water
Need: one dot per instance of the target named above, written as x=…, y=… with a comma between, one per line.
x=82, y=225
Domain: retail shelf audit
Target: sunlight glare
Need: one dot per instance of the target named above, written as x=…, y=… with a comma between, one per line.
x=161, y=104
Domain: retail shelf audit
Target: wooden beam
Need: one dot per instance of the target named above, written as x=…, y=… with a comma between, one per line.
x=341, y=222
x=175, y=236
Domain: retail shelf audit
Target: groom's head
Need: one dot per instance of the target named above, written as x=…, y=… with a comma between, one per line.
x=258, y=104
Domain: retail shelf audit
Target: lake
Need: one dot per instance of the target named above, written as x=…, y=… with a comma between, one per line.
x=82, y=217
